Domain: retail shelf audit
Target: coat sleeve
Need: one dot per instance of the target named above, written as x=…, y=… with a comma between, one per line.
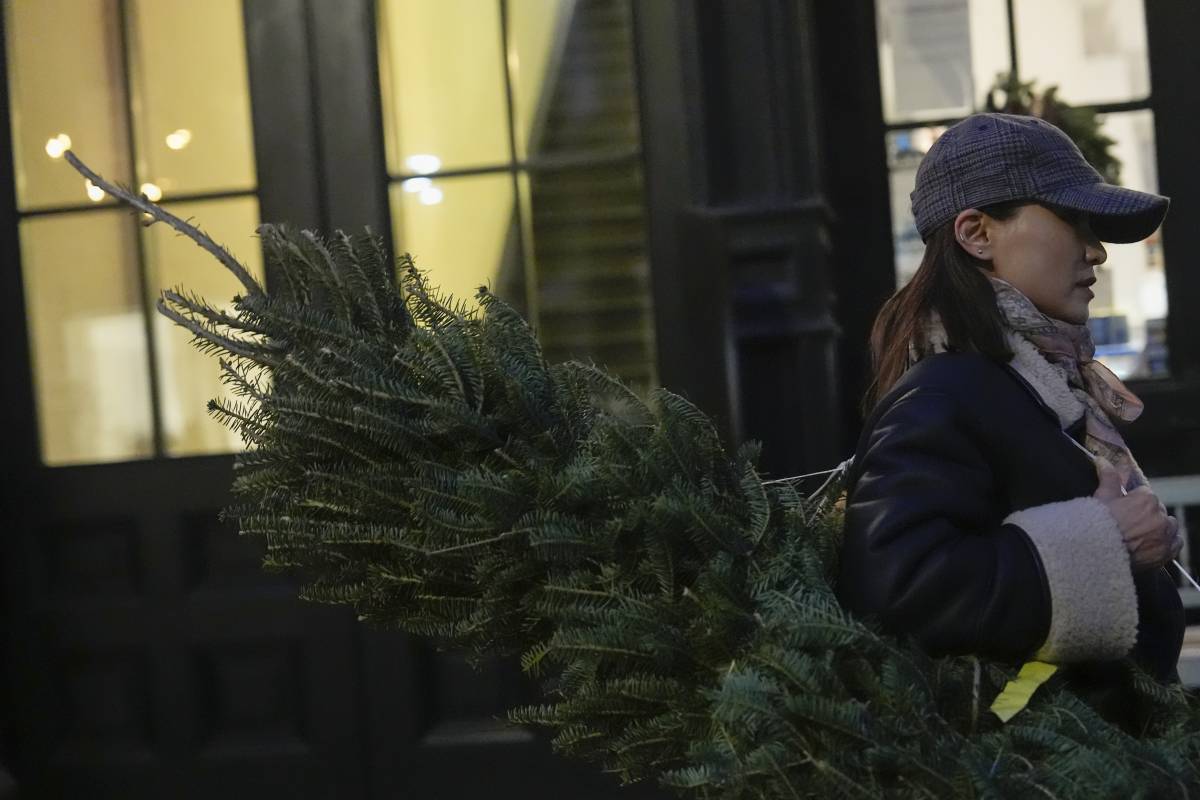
x=928, y=551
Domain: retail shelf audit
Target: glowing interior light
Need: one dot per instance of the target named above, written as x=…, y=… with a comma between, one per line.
x=152, y=192
x=1153, y=295
x=430, y=196
x=58, y=145
x=179, y=139
x=94, y=192
x=416, y=184
x=423, y=163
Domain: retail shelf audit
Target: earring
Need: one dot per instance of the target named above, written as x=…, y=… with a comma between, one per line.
x=980, y=251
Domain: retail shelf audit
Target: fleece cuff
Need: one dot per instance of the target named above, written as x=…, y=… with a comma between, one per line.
x=1093, y=601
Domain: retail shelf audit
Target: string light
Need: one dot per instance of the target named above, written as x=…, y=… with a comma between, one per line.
x=153, y=193
x=430, y=196
x=58, y=145
x=423, y=163
x=423, y=188
x=179, y=139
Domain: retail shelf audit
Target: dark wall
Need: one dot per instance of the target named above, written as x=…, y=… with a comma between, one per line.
x=770, y=234
x=856, y=180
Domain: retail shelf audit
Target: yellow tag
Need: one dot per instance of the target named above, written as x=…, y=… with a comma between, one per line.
x=1018, y=691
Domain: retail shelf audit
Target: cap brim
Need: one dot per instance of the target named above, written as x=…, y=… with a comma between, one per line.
x=1118, y=214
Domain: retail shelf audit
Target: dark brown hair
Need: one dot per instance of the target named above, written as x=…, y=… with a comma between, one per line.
x=950, y=283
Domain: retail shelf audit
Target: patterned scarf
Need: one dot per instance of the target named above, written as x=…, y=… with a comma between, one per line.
x=1070, y=350
x=1095, y=393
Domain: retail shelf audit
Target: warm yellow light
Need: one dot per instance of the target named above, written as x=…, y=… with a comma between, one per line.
x=152, y=192
x=415, y=184
x=430, y=196
x=94, y=192
x=58, y=145
x=179, y=139
x=423, y=163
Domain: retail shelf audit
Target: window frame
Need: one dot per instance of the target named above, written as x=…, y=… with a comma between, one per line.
x=517, y=167
x=125, y=41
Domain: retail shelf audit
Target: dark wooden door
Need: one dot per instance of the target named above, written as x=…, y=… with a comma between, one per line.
x=147, y=654
x=151, y=656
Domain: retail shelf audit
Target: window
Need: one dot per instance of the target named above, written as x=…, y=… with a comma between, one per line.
x=514, y=161
x=152, y=94
x=938, y=60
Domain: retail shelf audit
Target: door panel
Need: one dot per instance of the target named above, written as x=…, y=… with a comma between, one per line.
x=158, y=657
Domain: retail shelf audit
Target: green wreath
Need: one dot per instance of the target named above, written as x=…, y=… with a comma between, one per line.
x=1081, y=124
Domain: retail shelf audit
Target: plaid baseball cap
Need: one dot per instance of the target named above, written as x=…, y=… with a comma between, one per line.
x=993, y=158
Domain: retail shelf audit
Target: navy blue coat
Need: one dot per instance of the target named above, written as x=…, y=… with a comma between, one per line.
x=957, y=446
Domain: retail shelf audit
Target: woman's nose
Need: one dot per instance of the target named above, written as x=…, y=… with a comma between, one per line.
x=1095, y=252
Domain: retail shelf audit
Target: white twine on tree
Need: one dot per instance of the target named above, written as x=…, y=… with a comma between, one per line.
x=832, y=473
x=845, y=465
x=1174, y=561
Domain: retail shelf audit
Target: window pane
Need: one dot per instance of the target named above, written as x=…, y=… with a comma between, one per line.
x=87, y=336
x=187, y=378
x=463, y=231
x=905, y=149
x=573, y=83
x=1128, y=318
x=193, y=112
x=1093, y=50
x=938, y=58
x=66, y=78
x=442, y=78
x=593, y=281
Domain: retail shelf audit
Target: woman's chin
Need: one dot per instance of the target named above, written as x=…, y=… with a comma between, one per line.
x=1072, y=310
x=1076, y=313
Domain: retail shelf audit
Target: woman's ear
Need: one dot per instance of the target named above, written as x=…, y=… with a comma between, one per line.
x=971, y=233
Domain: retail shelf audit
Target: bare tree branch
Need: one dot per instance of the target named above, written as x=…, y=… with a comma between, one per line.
x=195, y=234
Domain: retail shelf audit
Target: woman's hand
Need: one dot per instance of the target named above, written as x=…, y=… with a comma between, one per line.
x=1151, y=535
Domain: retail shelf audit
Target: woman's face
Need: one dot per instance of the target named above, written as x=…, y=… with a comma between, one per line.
x=1049, y=256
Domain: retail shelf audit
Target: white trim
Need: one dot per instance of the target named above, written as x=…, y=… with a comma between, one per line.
x=1093, y=602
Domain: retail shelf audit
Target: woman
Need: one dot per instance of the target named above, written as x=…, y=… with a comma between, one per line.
x=993, y=508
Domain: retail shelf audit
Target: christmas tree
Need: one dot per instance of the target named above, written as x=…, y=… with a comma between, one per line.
x=416, y=457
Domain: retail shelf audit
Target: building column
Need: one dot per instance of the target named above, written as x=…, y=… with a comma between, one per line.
x=740, y=221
